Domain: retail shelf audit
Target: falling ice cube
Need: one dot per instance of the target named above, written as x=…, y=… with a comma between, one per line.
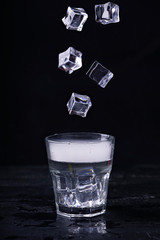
x=79, y=104
x=107, y=13
x=75, y=18
x=70, y=60
x=99, y=74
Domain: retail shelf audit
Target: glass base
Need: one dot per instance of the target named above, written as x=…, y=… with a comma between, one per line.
x=80, y=212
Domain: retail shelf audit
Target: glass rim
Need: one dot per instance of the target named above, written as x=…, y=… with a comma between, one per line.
x=80, y=136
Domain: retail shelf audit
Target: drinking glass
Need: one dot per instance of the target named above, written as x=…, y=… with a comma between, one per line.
x=80, y=165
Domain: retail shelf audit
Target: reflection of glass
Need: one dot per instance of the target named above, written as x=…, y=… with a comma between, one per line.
x=89, y=226
x=80, y=166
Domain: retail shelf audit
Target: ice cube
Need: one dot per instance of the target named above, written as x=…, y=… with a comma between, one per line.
x=107, y=13
x=100, y=74
x=70, y=60
x=86, y=190
x=61, y=182
x=75, y=18
x=86, y=183
x=79, y=104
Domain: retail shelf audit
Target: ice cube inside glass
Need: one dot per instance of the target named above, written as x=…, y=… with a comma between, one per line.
x=80, y=165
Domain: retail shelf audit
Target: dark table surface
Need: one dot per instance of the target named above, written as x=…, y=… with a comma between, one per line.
x=27, y=209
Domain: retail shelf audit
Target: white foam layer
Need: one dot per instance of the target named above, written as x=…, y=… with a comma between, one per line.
x=81, y=151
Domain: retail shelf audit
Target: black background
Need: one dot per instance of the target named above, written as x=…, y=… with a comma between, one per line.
x=37, y=91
